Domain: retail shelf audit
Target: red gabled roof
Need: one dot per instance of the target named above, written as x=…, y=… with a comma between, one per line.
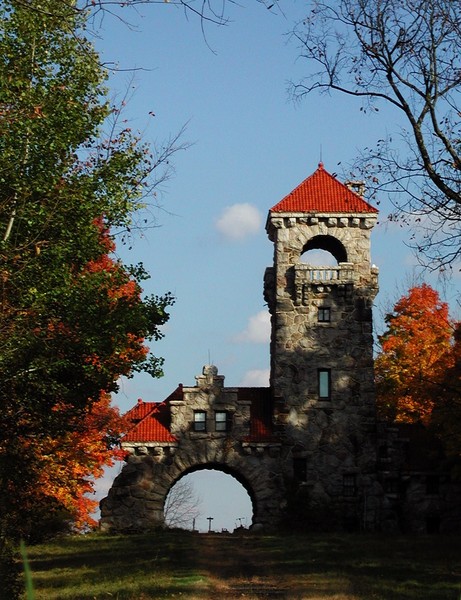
x=151, y=421
x=153, y=428
x=155, y=425
x=322, y=193
x=261, y=429
x=139, y=411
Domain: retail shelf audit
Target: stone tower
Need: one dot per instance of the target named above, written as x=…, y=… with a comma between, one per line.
x=321, y=346
x=305, y=448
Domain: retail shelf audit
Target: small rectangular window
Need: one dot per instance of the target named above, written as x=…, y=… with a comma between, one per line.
x=383, y=451
x=221, y=419
x=199, y=420
x=324, y=383
x=349, y=485
x=391, y=485
x=300, y=469
x=432, y=484
x=324, y=315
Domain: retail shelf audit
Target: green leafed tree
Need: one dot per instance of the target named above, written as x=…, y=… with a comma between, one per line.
x=404, y=55
x=73, y=318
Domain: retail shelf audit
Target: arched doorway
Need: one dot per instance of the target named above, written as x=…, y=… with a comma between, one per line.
x=209, y=498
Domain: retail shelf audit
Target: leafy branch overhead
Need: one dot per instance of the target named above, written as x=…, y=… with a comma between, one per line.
x=405, y=55
x=73, y=315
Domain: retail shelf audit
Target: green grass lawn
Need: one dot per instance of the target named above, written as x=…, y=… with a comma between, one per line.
x=171, y=564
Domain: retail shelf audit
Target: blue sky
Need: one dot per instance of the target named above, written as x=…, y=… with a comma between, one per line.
x=250, y=145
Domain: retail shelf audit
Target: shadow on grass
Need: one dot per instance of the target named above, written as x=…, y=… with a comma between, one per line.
x=166, y=564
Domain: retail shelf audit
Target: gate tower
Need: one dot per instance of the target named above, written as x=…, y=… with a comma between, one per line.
x=321, y=344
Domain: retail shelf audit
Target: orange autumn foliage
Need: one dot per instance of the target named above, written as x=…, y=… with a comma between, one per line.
x=415, y=354
x=65, y=461
x=71, y=462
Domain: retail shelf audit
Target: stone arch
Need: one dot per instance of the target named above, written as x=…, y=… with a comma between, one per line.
x=223, y=468
x=328, y=243
x=137, y=497
x=254, y=471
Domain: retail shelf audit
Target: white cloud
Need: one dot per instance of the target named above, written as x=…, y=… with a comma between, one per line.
x=239, y=221
x=257, y=331
x=255, y=378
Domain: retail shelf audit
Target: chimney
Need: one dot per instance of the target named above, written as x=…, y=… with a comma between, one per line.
x=358, y=187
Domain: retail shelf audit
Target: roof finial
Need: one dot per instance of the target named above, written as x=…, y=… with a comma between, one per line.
x=321, y=158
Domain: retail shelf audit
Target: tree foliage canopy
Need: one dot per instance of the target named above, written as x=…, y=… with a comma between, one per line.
x=405, y=54
x=73, y=316
x=418, y=371
x=415, y=354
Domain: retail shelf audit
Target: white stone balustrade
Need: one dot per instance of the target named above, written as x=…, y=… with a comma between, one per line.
x=343, y=273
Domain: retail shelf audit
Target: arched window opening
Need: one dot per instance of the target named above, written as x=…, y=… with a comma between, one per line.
x=319, y=258
x=208, y=500
x=323, y=251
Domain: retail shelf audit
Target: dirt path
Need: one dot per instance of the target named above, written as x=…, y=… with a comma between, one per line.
x=234, y=571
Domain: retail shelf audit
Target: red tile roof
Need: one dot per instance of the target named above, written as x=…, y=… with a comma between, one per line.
x=155, y=426
x=151, y=421
x=139, y=411
x=261, y=411
x=322, y=193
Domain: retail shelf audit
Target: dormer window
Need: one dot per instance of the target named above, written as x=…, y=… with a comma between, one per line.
x=199, y=420
x=221, y=420
x=324, y=314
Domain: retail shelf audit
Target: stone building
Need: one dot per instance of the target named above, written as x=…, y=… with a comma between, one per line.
x=308, y=447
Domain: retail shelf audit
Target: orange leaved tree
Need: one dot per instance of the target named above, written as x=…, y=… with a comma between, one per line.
x=72, y=316
x=415, y=353
x=71, y=461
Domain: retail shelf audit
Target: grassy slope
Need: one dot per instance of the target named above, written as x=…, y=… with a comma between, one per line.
x=179, y=564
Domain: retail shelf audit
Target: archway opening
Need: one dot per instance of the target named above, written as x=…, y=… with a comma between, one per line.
x=208, y=499
x=323, y=251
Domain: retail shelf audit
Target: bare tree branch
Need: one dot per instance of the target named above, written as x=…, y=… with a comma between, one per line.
x=405, y=54
x=182, y=505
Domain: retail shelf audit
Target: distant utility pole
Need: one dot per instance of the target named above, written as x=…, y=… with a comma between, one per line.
x=209, y=519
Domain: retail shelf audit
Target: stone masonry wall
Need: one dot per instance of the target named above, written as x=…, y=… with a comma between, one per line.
x=138, y=494
x=335, y=436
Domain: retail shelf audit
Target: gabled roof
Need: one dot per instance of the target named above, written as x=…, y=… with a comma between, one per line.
x=323, y=193
x=154, y=427
x=151, y=421
x=139, y=411
x=261, y=411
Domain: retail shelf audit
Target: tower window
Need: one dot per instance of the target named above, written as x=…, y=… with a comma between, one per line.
x=432, y=484
x=349, y=485
x=221, y=420
x=300, y=469
x=199, y=420
x=324, y=383
x=391, y=485
x=324, y=314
